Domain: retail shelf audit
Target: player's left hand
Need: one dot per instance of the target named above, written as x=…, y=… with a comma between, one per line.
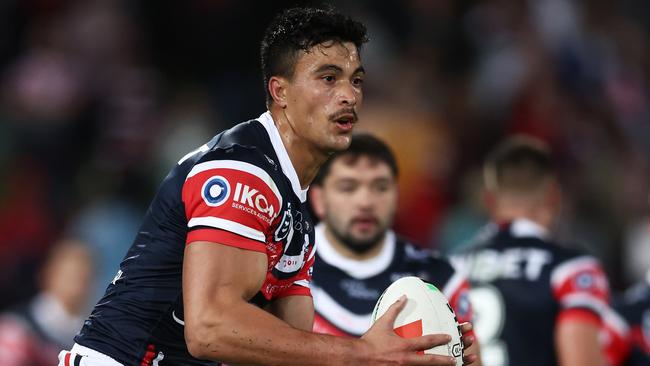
x=468, y=340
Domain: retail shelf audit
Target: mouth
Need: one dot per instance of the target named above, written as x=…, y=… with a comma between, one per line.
x=345, y=121
x=365, y=222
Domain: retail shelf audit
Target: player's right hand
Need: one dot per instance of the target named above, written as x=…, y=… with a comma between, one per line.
x=387, y=348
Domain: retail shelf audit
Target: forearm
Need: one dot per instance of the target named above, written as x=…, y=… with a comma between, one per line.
x=249, y=335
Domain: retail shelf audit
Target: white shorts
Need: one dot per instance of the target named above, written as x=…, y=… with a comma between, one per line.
x=84, y=356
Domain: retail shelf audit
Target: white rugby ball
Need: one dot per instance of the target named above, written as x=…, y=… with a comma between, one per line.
x=427, y=311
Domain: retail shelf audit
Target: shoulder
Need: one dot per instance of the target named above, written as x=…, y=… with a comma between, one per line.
x=243, y=152
x=247, y=141
x=571, y=260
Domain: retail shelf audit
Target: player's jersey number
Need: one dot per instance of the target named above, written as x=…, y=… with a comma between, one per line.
x=489, y=317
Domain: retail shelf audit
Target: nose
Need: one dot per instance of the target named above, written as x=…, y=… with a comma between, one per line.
x=348, y=94
x=364, y=199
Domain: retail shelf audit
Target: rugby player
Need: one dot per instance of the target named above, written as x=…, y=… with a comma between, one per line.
x=357, y=254
x=535, y=302
x=220, y=269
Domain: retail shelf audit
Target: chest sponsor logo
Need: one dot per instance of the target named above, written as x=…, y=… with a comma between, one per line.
x=358, y=290
x=215, y=191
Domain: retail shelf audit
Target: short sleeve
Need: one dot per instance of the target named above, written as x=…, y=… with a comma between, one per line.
x=615, y=337
x=230, y=202
x=581, y=289
x=457, y=292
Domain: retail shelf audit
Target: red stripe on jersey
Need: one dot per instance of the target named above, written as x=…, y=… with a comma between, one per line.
x=323, y=326
x=304, y=275
x=584, y=285
x=147, y=360
x=66, y=360
x=459, y=301
x=410, y=330
x=579, y=315
x=295, y=290
x=640, y=340
x=225, y=238
x=616, y=346
x=242, y=194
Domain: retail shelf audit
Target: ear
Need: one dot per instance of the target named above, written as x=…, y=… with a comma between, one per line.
x=317, y=201
x=278, y=90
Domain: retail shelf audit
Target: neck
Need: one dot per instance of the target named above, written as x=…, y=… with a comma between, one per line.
x=540, y=215
x=305, y=157
x=346, y=252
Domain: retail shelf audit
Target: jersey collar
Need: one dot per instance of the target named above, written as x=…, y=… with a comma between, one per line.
x=357, y=269
x=523, y=228
x=280, y=150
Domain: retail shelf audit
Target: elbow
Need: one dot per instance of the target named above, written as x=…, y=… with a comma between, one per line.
x=204, y=340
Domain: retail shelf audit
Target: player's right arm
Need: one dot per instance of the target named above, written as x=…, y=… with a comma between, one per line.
x=220, y=324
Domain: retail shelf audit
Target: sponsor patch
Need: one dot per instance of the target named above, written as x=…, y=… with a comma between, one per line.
x=215, y=191
x=585, y=281
x=463, y=304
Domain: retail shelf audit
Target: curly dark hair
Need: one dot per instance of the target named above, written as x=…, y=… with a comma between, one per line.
x=362, y=145
x=299, y=29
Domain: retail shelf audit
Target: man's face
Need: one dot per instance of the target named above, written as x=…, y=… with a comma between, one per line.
x=357, y=201
x=324, y=94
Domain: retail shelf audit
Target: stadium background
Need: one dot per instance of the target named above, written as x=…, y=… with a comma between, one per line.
x=99, y=98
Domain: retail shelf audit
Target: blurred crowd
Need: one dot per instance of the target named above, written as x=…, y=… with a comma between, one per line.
x=99, y=98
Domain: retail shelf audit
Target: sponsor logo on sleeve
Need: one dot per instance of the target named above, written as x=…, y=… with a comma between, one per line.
x=254, y=202
x=215, y=191
x=585, y=281
x=463, y=304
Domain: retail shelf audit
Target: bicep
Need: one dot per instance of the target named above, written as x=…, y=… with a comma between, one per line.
x=577, y=343
x=298, y=311
x=217, y=275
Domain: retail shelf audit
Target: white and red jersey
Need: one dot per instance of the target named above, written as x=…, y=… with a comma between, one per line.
x=241, y=190
x=345, y=291
x=523, y=285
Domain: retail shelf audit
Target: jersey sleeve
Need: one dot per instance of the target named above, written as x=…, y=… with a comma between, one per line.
x=581, y=290
x=230, y=202
x=301, y=284
x=615, y=337
x=457, y=292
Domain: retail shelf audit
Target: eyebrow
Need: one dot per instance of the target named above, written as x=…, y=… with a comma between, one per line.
x=338, y=69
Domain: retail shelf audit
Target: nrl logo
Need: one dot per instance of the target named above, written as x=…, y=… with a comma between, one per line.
x=285, y=228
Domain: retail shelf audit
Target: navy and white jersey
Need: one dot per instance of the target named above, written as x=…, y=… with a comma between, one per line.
x=627, y=329
x=345, y=291
x=523, y=285
x=239, y=189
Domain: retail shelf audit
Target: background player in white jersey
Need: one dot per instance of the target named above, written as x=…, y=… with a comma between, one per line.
x=535, y=302
x=358, y=256
x=228, y=234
